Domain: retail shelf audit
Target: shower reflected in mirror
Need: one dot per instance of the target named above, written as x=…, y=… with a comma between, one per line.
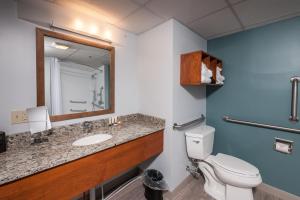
x=76, y=77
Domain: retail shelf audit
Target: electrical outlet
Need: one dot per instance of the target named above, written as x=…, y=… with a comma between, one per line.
x=18, y=117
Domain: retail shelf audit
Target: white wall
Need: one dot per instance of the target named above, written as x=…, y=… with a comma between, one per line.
x=18, y=68
x=155, y=84
x=188, y=102
x=162, y=95
x=17, y=65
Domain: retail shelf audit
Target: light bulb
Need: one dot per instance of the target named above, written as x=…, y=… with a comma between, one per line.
x=78, y=24
x=93, y=29
x=108, y=35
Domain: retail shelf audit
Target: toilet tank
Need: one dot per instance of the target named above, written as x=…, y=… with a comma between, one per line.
x=199, y=142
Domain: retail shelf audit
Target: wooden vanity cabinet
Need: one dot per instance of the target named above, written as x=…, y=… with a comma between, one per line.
x=71, y=179
x=191, y=67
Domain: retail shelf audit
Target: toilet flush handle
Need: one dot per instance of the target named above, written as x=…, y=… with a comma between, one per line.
x=196, y=141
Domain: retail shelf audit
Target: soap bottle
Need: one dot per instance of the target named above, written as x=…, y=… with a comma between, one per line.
x=2, y=142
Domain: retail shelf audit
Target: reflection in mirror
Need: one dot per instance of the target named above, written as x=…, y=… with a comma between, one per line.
x=76, y=77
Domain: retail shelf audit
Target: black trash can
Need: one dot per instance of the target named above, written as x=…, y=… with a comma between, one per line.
x=154, y=184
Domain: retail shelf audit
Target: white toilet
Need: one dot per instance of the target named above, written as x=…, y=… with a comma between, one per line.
x=226, y=177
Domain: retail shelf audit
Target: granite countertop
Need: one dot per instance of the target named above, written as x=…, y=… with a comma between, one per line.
x=23, y=158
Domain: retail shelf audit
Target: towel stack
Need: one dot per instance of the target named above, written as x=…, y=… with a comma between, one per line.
x=206, y=74
x=219, y=77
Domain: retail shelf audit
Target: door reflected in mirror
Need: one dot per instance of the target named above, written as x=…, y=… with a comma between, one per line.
x=75, y=76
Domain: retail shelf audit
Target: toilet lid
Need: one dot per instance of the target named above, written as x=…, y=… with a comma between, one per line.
x=200, y=131
x=235, y=165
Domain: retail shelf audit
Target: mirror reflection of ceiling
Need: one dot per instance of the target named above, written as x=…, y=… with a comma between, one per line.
x=76, y=53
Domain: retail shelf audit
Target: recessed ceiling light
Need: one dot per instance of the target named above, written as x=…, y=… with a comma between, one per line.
x=60, y=46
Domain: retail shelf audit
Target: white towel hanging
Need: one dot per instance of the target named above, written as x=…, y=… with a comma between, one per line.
x=206, y=74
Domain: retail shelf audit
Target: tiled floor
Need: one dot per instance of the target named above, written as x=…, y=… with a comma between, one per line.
x=191, y=189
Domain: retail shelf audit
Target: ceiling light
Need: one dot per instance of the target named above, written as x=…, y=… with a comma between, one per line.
x=78, y=24
x=93, y=29
x=108, y=35
x=60, y=46
x=84, y=33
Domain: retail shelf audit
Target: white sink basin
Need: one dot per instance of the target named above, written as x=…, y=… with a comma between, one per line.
x=93, y=139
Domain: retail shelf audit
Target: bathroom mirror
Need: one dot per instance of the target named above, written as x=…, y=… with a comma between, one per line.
x=75, y=76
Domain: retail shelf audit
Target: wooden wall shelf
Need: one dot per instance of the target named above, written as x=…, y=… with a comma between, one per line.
x=191, y=67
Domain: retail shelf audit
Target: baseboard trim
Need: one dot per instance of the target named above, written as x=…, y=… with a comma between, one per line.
x=278, y=193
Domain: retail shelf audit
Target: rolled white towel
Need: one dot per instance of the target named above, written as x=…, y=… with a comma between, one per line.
x=206, y=74
x=204, y=67
x=219, y=77
x=205, y=79
x=220, y=81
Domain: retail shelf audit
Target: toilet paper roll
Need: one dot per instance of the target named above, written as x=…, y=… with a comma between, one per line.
x=282, y=147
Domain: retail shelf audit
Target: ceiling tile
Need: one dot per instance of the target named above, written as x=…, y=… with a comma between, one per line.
x=111, y=11
x=140, y=21
x=117, y=8
x=216, y=24
x=235, y=1
x=261, y=11
x=185, y=10
x=223, y=34
x=140, y=2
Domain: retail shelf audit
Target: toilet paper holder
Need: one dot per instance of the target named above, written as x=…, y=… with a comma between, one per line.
x=283, y=146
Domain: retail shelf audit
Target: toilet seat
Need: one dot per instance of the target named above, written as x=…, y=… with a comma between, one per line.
x=235, y=165
x=236, y=172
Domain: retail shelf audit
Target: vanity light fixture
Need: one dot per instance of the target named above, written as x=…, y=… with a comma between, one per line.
x=60, y=46
x=78, y=24
x=108, y=34
x=53, y=26
x=93, y=29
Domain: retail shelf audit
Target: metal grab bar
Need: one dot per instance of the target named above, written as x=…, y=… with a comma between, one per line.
x=294, y=103
x=72, y=110
x=83, y=102
x=268, y=126
x=194, y=122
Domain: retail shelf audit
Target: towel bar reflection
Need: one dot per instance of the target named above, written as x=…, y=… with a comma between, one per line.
x=268, y=126
x=83, y=102
x=189, y=124
x=72, y=110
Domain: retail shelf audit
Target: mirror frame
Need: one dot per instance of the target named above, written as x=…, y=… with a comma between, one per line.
x=40, y=77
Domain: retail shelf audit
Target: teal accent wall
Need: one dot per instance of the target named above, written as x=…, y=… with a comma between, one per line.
x=258, y=65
